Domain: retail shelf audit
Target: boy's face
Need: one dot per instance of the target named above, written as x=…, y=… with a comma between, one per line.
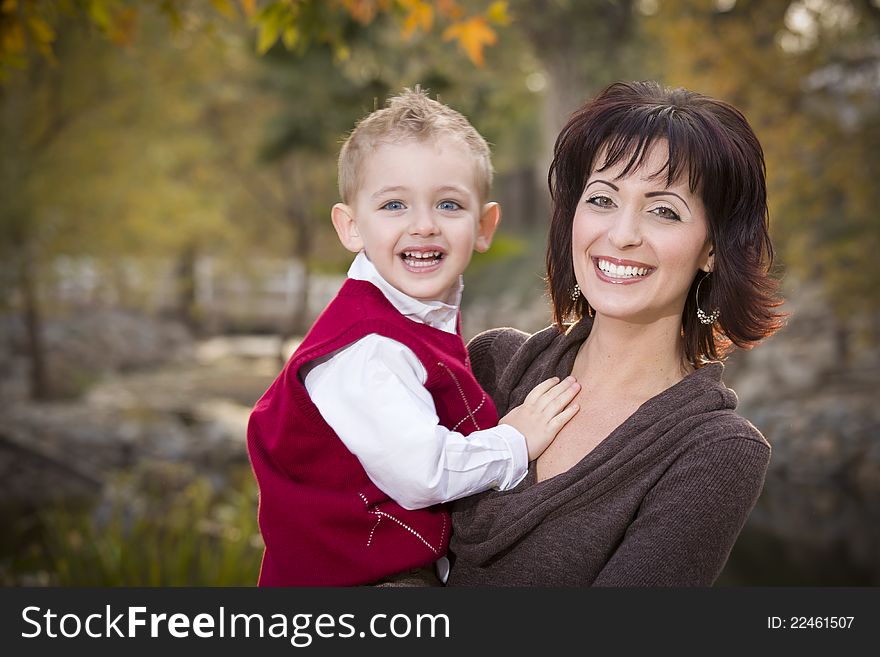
x=418, y=215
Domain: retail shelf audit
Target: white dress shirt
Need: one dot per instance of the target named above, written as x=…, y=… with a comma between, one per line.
x=372, y=393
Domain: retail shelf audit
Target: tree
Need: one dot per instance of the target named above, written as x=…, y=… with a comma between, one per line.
x=33, y=25
x=797, y=69
x=103, y=156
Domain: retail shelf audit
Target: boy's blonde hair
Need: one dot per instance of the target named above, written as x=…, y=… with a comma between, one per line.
x=410, y=115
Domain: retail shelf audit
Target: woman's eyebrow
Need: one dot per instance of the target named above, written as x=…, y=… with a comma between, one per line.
x=604, y=182
x=665, y=193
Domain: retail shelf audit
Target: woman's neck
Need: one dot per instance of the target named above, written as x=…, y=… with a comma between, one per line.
x=641, y=359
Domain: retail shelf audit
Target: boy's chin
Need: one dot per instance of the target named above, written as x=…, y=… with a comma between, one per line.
x=429, y=293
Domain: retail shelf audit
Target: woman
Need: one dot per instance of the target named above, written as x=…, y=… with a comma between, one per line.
x=659, y=253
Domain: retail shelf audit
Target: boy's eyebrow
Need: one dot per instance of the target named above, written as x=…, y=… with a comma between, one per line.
x=402, y=188
x=386, y=190
x=452, y=188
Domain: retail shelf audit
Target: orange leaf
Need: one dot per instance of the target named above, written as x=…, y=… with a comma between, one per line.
x=123, y=26
x=12, y=39
x=420, y=17
x=363, y=11
x=450, y=9
x=472, y=35
x=249, y=7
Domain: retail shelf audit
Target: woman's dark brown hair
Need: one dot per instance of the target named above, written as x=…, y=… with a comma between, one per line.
x=712, y=144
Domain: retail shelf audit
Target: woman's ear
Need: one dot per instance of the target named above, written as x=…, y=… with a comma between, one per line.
x=709, y=260
x=346, y=227
x=486, y=225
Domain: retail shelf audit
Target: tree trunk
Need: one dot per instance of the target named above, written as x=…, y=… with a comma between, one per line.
x=302, y=229
x=187, y=306
x=842, y=343
x=40, y=388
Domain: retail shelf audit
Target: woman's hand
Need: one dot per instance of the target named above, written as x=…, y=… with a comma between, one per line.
x=546, y=409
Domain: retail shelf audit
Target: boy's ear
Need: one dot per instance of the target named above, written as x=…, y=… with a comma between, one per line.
x=346, y=228
x=486, y=226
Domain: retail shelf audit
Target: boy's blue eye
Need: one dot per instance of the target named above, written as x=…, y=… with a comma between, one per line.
x=393, y=205
x=449, y=206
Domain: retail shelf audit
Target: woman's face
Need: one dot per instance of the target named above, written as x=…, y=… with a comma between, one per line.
x=637, y=244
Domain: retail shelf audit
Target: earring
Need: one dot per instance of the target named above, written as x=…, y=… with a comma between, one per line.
x=575, y=292
x=712, y=317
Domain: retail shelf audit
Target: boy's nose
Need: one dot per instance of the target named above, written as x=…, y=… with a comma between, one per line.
x=424, y=223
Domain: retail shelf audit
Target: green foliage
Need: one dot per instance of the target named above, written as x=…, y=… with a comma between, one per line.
x=189, y=536
x=32, y=26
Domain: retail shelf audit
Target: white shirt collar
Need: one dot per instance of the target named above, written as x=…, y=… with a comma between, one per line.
x=438, y=314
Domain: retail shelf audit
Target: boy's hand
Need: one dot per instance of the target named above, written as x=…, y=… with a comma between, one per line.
x=546, y=409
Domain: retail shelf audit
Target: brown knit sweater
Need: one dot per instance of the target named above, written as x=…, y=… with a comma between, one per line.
x=659, y=502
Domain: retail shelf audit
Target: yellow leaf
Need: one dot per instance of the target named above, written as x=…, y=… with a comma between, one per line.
x=9, y=6
x=472, y=35
x=290, y=37
x=99, y=14
x=267, y=37
x=40, y=30
x=497, y=13
x=224, y=7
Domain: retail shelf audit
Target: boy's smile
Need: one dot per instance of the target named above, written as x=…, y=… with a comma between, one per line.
x=418, y=216
x=422, y=260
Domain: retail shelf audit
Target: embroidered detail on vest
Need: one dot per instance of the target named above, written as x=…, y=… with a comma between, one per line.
x=373, y=530
x=470, y=414
x=382, y=514
x=411, y=530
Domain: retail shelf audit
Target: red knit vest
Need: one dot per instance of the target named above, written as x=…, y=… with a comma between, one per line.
x=324, y=523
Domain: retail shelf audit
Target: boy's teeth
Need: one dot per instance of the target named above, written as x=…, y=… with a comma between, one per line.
x=422, y=258
x=621, y=271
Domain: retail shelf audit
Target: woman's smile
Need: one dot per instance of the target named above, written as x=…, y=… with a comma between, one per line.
x=621, y=272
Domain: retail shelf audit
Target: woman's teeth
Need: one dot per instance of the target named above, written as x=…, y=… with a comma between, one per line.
x=621, y=271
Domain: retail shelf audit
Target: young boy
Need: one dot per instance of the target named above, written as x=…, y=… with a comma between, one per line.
x=376, y=419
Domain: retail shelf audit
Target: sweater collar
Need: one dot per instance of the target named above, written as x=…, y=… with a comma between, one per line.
x=491, y=522
x=439, y=315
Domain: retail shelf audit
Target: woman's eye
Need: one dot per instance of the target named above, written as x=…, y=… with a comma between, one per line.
x=666, y=213
x=393, y=205
x=601, y=201
x=448, y=206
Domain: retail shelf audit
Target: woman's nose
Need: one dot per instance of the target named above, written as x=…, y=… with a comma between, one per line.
x=625, y=231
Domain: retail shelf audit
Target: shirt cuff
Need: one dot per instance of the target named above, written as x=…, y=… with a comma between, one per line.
x=519, y=456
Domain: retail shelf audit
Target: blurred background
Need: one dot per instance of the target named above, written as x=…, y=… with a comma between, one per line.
x=166, y=173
